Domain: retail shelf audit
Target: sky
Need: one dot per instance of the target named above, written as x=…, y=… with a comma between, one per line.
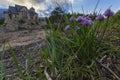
x=89, y=5
x=82, y=6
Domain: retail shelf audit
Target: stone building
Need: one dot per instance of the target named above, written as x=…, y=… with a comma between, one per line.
x=20, y=12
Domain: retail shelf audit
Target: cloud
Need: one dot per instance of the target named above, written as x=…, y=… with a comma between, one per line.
x=39, y=5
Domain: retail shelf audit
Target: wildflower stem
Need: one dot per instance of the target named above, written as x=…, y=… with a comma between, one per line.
x=96, y=6
x=102, y=37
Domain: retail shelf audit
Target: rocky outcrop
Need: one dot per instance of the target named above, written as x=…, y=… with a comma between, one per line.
x=15, y=25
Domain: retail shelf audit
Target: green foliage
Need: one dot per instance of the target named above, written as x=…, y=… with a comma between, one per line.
x=16, y=62
x=115, y=20
x=56, y=15
x=57, y=11
x=1, y=21
x=74, y=52
x=116, y=17
x=2, y=70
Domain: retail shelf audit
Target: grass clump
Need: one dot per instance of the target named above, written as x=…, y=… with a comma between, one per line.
x=73, y=51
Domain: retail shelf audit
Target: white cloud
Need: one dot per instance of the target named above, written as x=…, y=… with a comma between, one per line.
x=71, y=1
x=39, y=5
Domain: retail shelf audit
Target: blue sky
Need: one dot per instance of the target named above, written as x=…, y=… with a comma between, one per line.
x=89, y=5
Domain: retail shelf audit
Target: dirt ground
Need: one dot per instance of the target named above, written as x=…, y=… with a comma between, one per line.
x=20, y=38
x=31, y=41
x=25, y=42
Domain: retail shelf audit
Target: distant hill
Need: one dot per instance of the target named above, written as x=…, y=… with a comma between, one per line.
x=1, y=13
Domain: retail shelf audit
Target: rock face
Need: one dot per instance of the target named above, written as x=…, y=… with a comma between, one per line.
x=20, y=12
x=22, y=43
x=16, y=25
x=19, y=17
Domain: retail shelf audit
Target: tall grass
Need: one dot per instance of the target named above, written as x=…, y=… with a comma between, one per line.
x=72, y=54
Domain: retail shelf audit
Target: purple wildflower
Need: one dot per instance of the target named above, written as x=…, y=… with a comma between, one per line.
x=90, y=15
x=108, y=13
x=87, y=17
x=80, y=18
x=84, y=20
x=67, y=27
x=100, y=17
x=72, y=18
x=87, y=22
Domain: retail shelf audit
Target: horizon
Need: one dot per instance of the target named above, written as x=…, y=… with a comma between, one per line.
x=44, y=7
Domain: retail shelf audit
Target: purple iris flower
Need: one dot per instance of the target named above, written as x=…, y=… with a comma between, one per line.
x=108, y=13
x=100, y=17
x=80, y=18
x=67, y=27
x=72, y=18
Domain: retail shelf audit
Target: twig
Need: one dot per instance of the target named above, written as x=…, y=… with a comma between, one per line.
x=102, y=58
x=107, y=68
x=92, y=77
x=47, y=75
